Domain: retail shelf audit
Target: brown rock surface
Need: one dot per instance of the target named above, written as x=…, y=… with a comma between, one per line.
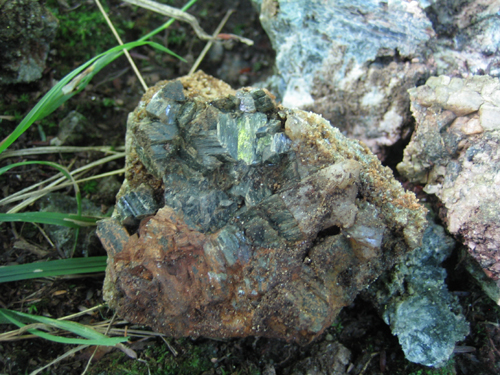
x=239, y=217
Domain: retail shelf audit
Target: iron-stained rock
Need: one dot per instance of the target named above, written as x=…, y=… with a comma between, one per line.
x=270, y=222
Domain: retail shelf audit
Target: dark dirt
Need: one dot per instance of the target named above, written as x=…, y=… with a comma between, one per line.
x=106, y=103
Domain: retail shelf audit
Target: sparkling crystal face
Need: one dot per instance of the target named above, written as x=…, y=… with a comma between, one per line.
x=240, y=217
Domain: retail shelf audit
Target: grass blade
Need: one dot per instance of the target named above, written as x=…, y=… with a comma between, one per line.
x=71, y=85
x=53, y=218
x=61, y=169
x=92, y=336
x=58, y=267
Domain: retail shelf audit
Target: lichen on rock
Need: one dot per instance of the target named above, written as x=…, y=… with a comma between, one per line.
x=239, y=217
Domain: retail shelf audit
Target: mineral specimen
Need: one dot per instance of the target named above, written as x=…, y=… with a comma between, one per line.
x=239, y=217
x=455, y=153
x=414, y=300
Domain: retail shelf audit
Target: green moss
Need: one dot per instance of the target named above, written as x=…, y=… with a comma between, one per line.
x=82, y=34
x=157, y=359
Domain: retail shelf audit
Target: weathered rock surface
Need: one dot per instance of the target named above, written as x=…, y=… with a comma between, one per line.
x=414, y=300
x=239, y=217
x=73, y=129
x=26, y=30
x=353, y=61
x=455, y=153
x=467, y=38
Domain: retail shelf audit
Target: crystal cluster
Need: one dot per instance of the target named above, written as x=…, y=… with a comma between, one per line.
x=239, y=217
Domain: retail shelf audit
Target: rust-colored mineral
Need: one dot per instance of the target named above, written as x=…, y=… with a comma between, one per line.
x=239, y=217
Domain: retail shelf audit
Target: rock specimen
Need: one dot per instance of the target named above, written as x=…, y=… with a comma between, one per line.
x=26, y=30
x=414, y=300
x=455, y=153
x=239, y=217
x=353, y=61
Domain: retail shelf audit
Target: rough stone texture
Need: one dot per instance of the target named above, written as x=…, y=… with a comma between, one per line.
x=455, y=152
x=353, y=61
x=260, y=220
x=414, y=300
x=489, y=286
x=26, y=30
x=467, y=36
x=73, y=129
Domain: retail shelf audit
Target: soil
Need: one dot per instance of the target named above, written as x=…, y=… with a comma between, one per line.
x=106, y=102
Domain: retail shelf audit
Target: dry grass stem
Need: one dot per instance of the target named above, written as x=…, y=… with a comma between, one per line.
x=174, y=13
x=40, y=193
x=54, y=185
x=60, y=358
x=210, y=42
x=183, y=16
x=84, y=312
x=59, y=149
x=129, y=58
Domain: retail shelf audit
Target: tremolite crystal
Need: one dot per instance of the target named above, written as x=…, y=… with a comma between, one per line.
x=239, y=217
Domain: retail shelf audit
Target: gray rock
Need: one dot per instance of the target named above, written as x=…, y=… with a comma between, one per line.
x=73, y=129
x=455, y=153
x=414, y=300
x=353, y=61
x=468, y=37
x=26, y=30
x=327, y=359
x=106, y=190
x=350, y=61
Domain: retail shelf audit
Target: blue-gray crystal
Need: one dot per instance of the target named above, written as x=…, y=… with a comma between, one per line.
x=247, y=103
x=227, y=104
x=262, y=102
x=156, y=143
x=233, y=244
x=205, y=208
x=271, y=127
x=252, y=192
x=136, y=205
x=172, y=90
x=248, y=124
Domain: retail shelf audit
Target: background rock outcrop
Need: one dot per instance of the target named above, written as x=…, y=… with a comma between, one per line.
x=353, y=61
x=26, y=30
x=455, y=154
